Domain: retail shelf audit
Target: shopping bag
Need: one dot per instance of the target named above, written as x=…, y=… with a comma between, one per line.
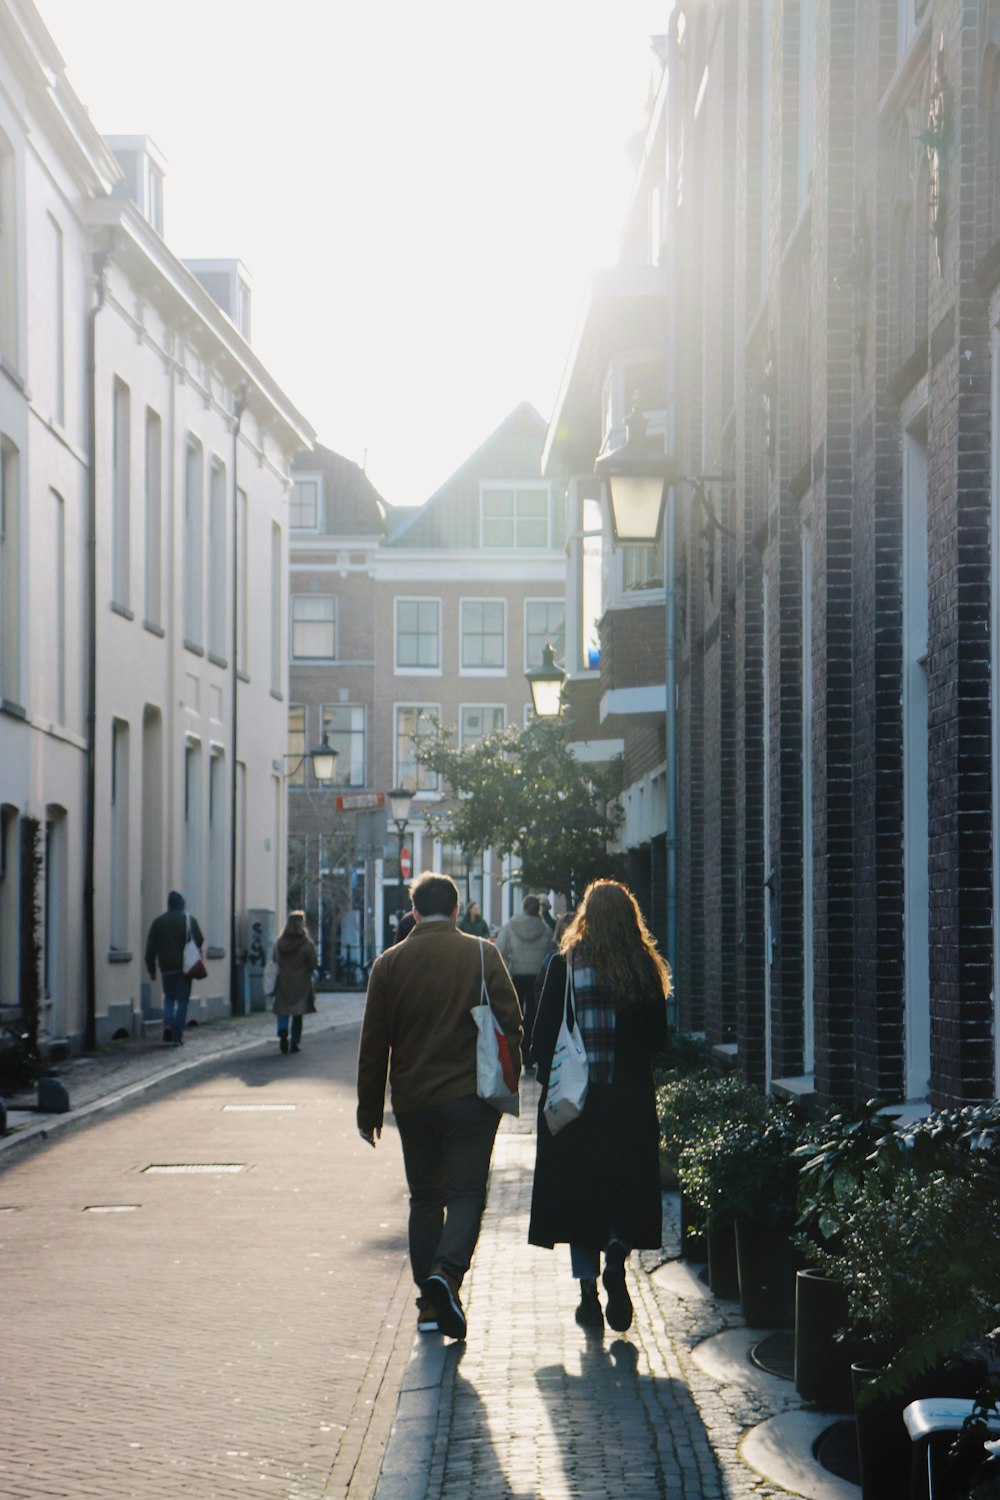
x=569, y=1075
x=193, y=963
x=495, y=1080
x=269, y=983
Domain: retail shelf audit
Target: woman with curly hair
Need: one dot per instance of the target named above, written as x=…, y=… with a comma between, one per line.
x=597, y=1183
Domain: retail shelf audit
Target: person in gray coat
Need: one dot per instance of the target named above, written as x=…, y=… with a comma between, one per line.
x=294, y=995
x=165, y=946
x=523, y=943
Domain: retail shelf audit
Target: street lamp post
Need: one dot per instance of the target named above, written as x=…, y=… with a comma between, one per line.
x=399, y=804
x=546, y=683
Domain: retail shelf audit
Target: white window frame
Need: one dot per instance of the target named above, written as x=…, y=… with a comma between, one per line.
x=479, y=708
x=317, y=480
x=554, y=599
x=343, y=765
x=218, y=559
x=418, y=671
x=296, y=741
x=427, y=711
x=121, y=492
x=482, y=671
x=294, y=621
x=518, y=487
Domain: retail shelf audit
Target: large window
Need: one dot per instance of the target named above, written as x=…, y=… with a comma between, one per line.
x=412, y=720
x=119, y=881
x=194, y=544
x=58, y=320
x=154, y=519
x=515, y=515
x=314, y=627
x=544, y=620
x=8, y=253
x=418, y=635
x=303, y=506
x=121, y=456
x=218, y=589
x=296, y=744
x=484, y=635
x=344, y=725
x=277, y=667
x=477, y=720
x=642, y=568
x=10, y=571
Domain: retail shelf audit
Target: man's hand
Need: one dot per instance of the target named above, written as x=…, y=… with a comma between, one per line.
x=369, y=1135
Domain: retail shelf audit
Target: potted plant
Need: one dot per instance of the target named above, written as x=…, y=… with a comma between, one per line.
x=743, y=1173
x=836, y=1156
x=688, y=1103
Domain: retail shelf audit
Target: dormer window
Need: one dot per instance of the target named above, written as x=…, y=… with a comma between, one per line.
x=303, y=505
x=143, y=168
x=228, y=284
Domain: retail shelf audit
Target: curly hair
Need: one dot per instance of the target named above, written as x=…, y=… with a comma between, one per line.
x=610, y=932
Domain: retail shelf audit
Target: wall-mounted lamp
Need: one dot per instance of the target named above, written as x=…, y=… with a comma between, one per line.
x=546, y=682
x=323, y=757
x=635, y=479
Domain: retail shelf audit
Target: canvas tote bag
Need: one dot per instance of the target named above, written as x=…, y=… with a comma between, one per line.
x=569, y=1074
x=495, y=1081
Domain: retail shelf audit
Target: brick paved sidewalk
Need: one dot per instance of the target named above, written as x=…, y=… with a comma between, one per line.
x=99, y=1080
x=532, y=1408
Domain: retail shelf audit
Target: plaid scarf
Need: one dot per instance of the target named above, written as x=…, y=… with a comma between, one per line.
x=595, y=1016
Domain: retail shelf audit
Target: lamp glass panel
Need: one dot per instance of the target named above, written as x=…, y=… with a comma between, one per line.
x=636, y=502
x=546, y=696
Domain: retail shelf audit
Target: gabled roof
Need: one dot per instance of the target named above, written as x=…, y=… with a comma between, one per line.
x=354, y=506
x=450, y=518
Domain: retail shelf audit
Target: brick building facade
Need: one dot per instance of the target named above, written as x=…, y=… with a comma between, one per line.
x=819, y=194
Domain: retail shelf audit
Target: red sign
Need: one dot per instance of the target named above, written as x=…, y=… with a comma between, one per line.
x=359, y=801
x=405, y=862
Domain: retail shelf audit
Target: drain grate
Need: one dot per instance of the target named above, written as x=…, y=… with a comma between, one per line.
x=171, y=1168
x=256, y=1109
x=111, y=1208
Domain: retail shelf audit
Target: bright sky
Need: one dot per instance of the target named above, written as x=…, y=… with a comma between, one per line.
x=418, y=190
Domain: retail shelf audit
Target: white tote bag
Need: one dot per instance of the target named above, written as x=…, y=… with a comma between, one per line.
x=569, y=1074
x=495, y=1080
x=193, y=962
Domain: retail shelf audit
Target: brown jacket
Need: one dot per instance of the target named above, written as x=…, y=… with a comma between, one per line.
x=417, y=1025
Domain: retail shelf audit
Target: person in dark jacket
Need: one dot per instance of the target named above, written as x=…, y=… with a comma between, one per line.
x=165, y=946
x=473, y=923
x=294, y=995
x=597, y=1183
x=523, y=943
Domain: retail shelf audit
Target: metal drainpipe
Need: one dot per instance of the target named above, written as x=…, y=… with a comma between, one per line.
x=235, y=1006
x=669, y=551
x=89, y=937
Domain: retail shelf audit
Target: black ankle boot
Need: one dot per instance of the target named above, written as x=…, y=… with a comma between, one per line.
x=589, y=1314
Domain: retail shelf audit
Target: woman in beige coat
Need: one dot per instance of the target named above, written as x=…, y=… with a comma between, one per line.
x=294, y=995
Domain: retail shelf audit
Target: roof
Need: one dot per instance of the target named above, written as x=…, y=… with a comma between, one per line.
x=354, y=506
x=450, y=518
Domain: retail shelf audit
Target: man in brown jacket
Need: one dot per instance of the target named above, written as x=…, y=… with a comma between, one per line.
x=419, y=1030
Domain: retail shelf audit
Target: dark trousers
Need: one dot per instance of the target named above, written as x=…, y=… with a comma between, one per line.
x=446, y=1154
x=525, y=986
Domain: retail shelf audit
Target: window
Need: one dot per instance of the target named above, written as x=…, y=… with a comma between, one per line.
x=56, y=686
x=217, y=561
x=478, y=720
x=58, y=310
x=314, y=627
x=344, y=726
x=154, y=519
x=194, y=545
x=303, y=507
x=296, y=744
x=120, y=496
x=484, y=635
x=418, y=635
x=215, y=906
x=544, y=620
x=10, y=571
x=8, y=254
x=243, y=582
x=413, y=720
x=515, y=516
x=276, y=608
x=194, y=834
x=642, y=568
x=119, y=835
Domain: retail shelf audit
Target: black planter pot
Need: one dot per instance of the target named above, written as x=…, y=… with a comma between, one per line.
x=723, y=1276
x=884, y=1448
x=693, y=1245
x=822, y=1361
x=766, y=1263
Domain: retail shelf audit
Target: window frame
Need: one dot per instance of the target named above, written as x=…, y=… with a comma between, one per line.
x=416, y=671
x=307, y=478
x=482, y=708
x=344, y=759
x=481, y=671
x=517, y=487
x=544, y=599
x=293, y=622
x=423, y=710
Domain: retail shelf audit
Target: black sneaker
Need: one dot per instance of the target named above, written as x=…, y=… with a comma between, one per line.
x=589, y=1314
x=441, y=1290
x=168, y=1035
x=283, y=1043
x=619, y=1308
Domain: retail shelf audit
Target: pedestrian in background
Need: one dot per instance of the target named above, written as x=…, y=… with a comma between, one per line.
x=523, y=943
x=418, y=1030
x=294, y=994
x=165, y=946
x=472, y=923
x=597, y=1182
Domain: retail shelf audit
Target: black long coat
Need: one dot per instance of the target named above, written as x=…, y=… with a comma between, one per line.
x=601, y=1172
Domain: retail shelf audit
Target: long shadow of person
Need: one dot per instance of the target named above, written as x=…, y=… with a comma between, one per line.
x=614, y=1419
